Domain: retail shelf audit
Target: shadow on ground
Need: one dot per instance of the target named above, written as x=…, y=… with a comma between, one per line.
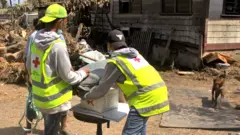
x=199, y=114
x=16, y=131
x=208, y=103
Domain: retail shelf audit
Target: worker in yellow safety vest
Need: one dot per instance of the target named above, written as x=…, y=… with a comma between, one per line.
x=143, y=87
x=51, y=72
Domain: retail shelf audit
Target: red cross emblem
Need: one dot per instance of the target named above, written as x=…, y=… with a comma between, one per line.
x=90, y=102
x=36, y=62
x=136, y=59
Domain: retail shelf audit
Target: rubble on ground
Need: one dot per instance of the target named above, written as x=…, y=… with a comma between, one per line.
x=12, y=72
x=237, y=107
x=208, y=72
x=12, y=48
x=12, y=45
x=75, y=48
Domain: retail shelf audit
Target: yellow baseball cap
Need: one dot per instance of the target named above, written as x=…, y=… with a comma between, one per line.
x=53, y=12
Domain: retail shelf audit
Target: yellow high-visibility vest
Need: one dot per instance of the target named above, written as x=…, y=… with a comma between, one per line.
x=48, y=91
x=143, y=88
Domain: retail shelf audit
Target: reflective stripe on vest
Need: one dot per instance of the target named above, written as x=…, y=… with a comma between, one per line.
x=140, y=90
x=146, y=89
x=148, y=109
x=44, y=86
x=52, y=97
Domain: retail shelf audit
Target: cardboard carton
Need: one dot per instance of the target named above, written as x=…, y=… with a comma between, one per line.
x=103, y=104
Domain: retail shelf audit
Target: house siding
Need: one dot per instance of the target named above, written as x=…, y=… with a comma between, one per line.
x=222, y=33
x=187, y=28
x=101, y=22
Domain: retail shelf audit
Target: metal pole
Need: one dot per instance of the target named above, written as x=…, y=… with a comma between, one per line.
x=99, y=129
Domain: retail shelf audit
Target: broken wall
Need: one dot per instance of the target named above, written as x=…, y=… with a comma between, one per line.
x=188, y=27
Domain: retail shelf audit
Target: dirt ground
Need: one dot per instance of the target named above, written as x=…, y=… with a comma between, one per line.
x=12, y=103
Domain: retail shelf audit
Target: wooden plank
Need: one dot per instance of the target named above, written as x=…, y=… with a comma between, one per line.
x=224, y=22
x=229, y=28
x=156, y=23
x=167, y=46
x=223, y=34
x=222, y=40
x=79, y=31
x=185, y=73
x=181, y=22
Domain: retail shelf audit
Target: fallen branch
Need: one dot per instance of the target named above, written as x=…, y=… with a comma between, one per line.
x=14, y=57
x=3, y=51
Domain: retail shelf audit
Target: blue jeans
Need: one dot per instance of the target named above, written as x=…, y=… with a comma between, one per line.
x=135, y=124
x=52, y=123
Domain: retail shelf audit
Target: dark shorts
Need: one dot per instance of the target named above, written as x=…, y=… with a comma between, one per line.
x=52, y=123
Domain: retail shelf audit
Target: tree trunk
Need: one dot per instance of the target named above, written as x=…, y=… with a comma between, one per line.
x=10, y=1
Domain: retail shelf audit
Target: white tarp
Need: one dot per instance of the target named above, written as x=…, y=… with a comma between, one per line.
x=94, y=55
x=97, y=67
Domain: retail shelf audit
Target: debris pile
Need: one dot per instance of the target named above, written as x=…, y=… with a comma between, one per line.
x=12, y=72
x=216, y=63
x=12, y=46
x=75, y=49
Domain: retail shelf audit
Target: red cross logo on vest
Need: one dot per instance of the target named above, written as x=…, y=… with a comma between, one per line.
x=136, y=59
x=36, y=62
x=138, y=62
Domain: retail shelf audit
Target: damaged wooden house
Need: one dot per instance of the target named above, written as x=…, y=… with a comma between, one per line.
x=176, y=31
x=222, y=26
x=153, y=25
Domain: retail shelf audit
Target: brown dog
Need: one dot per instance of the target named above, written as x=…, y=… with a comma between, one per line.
x=217, y=89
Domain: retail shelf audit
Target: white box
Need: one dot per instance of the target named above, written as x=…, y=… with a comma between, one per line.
x=103, y=104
